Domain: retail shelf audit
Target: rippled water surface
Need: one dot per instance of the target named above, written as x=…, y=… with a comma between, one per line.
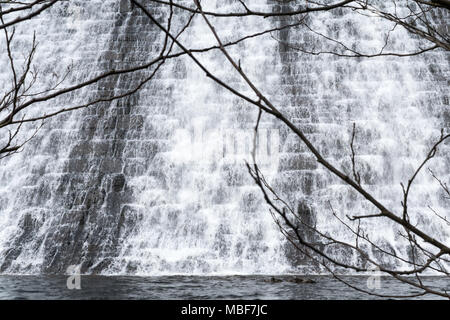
x=195, y=287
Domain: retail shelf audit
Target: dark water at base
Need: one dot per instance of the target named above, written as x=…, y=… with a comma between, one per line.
x=192, y=287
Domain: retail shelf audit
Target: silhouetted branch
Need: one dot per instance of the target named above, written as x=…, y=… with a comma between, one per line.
x=290, y=228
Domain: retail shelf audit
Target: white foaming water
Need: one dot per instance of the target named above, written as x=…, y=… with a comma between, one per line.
x=398, y=106
x=71, y=34
x=150, y=186
x=207, y=217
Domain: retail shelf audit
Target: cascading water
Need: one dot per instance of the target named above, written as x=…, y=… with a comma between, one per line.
x=153, y=184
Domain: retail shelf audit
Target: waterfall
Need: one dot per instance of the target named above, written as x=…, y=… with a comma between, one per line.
x=156, y=183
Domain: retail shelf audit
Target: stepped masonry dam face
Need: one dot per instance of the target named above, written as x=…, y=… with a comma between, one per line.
x=156, y=183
